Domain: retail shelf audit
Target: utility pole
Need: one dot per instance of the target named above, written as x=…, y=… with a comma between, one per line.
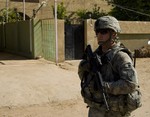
x=7, y=10
x=56, y=32
x=24, y=10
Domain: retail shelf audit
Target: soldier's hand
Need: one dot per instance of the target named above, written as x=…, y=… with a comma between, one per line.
x=84, y=65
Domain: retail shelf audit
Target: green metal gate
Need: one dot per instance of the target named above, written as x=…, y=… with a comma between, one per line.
x=48, y=39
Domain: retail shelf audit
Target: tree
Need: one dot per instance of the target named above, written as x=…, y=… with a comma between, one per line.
x=130, y=10
x=81, y=14
x=13, y=15
x=94, y=14
x=61, y=11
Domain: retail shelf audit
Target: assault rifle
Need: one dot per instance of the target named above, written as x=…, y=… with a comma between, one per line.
x=95, y=63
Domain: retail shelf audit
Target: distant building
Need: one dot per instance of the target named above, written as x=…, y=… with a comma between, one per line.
x=47, y=12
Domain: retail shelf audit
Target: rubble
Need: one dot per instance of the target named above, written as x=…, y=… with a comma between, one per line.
x=143, y=52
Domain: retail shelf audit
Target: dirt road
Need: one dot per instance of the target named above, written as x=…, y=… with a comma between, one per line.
x=39, y=88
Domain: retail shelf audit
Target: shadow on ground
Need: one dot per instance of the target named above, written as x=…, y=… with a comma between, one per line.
x=8, y=56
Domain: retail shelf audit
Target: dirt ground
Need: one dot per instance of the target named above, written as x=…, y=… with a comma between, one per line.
x=39, y=88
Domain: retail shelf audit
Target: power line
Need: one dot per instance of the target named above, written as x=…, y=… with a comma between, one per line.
x=138, y=12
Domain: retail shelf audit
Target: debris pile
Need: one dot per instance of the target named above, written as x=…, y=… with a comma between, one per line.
x=143, y=52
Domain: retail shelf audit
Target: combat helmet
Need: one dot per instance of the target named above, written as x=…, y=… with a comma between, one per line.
x=107, y=22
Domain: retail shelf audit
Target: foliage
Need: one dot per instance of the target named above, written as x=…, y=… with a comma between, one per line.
x=13, y=16
x=61, y=11
x=131, y=9
x=94, y=14
x=81, y=13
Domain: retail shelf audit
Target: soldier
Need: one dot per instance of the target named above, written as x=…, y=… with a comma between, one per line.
x=118, y=73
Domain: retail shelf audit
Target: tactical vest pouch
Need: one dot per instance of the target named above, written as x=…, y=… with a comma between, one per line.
x=92, y=103
x=134, y=100
x=125, y=103
x=116, y=103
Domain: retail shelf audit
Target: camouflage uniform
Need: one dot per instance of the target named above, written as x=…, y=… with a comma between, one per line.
x=120, y=78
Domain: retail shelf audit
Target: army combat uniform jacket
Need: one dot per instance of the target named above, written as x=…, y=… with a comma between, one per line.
x=120, y=79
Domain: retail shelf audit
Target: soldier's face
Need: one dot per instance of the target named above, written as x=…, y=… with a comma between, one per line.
x=105, y=36
x=102, y=35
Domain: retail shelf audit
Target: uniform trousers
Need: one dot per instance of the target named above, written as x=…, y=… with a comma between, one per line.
x=93, y=112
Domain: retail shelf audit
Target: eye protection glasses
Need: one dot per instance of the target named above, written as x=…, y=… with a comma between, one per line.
x=102, y=31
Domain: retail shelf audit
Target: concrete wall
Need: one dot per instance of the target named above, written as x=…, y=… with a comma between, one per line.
x=89, y=34
x=27, y=38
x=134, y=35
x=134, y=41
x=61, y=41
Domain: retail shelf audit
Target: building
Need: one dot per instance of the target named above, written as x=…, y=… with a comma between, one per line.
x=47, y=11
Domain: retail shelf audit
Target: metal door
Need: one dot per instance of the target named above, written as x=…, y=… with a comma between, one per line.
x=74, y=41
